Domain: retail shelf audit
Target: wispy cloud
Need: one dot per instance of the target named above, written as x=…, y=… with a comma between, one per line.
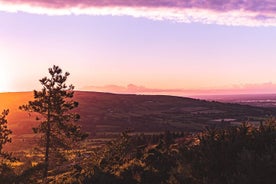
x=224, y=12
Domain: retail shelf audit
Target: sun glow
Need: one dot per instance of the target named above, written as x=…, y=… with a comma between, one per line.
x=3, y=80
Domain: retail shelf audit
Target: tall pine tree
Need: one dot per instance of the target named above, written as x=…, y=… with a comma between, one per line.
x=53, y=107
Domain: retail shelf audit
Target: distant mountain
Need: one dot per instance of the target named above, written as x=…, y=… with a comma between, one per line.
x=106, y=113
x=261, y=88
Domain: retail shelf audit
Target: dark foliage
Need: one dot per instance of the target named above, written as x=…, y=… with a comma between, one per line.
x=243, y=154
x=5, y=133
x=6, y=173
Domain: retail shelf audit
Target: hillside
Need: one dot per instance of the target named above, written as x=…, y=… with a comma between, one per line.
x=105, y=113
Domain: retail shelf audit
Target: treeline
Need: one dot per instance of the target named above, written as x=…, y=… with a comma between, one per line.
x=242, y=155
x=233, y=155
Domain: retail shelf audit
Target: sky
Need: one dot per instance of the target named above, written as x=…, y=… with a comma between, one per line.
x=144, y=46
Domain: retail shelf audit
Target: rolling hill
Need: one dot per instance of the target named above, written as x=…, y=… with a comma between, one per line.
x=106, y=113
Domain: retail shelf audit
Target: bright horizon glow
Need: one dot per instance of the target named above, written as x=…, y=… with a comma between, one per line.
x=4, y=75
x=107, y=53
x=3, y=82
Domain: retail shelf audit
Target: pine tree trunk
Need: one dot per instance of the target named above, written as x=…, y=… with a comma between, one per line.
x=47, y=146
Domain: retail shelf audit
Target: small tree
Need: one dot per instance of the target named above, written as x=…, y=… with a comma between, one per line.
x=53, y=105
x=4, y=135
x=6, y=172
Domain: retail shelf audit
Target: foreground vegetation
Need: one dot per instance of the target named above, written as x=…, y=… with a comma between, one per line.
x=243, y=154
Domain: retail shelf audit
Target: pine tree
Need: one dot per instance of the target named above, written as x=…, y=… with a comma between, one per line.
x=53, y=106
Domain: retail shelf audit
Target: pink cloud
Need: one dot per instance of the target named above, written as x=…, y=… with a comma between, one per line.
x=225, y=12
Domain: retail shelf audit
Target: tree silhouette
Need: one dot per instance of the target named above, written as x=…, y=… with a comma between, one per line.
x=53, y=105
x=4, y=135
x=6, y=173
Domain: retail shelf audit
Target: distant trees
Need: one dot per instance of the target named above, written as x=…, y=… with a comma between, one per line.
x=53, y=106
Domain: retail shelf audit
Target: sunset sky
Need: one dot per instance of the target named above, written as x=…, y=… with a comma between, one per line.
x=167, y=46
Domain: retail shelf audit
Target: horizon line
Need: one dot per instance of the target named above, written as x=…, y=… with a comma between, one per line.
x=153, y=94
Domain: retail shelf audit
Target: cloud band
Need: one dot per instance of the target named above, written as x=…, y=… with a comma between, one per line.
x=226, y=12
